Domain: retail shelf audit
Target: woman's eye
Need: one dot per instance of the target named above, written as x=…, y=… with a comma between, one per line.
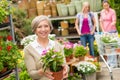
x=39, y=26
x=43, y=26
x=46, y=25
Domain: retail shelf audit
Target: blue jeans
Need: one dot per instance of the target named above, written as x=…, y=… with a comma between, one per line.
x=88, y=38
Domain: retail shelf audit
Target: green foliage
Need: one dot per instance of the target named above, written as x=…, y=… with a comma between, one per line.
x=4, y=33
x=4, y=10
x=12, y=77
x=97, y=64
x=80, y=51
x=22, y=24
x=96, y=52
x=74, y=76
x=68, y=52
x=27, y=27
x=52, y=59
x=9, y=52
x=68, y=48
x=112, y=3
x=18, y=17
x=115, y=4
x=1, y=66
x=23, y=74
x=108, y=39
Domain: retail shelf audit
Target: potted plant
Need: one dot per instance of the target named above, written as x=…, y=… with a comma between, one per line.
x=68, y=50
x=4, y=10
x=9, y=53
x=88, y=69
x=54, y=61
x=96, y=52
x=80, y=51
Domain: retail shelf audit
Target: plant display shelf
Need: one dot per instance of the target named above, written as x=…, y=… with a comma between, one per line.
x=62, y=17
x=5, y=74
x=4, y=26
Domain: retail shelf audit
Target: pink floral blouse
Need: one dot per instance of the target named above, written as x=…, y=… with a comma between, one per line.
x=107, y=18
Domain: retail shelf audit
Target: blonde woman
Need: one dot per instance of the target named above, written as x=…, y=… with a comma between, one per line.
x=85, y=26
x=41, y=26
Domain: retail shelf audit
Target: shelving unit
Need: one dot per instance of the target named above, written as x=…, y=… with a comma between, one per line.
x=5, y=26
x=62, y=18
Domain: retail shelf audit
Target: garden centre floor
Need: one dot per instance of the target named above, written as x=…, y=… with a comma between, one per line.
x=105, y=75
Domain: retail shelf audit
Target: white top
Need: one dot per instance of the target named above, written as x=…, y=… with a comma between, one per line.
x=39, y=48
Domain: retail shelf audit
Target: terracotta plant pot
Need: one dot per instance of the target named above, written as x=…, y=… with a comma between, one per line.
x=81, y=58
x=71, y=57
x=68, y=58
x=58, y=75
x=117, y=50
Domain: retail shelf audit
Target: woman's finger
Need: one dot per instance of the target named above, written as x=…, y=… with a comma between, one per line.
x=49, y=75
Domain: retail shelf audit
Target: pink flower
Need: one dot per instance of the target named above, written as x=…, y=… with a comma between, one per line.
x=44, y=52
x=53, y=56
x=68, y=45
x=71, y=74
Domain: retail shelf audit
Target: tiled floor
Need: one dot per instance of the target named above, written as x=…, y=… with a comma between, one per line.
x=105, y=74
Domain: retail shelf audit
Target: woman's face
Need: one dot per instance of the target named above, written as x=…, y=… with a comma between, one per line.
x=43, y=29
x=86, y=8
x=106, y=5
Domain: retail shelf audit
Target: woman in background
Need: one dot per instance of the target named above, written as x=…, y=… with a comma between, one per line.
x=108, y=25
x=85, y=26
x=41, y=26
x=108, y=18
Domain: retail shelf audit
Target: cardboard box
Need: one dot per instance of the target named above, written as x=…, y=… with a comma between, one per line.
x=40, y=11
x=40, y=5
x=64, y=24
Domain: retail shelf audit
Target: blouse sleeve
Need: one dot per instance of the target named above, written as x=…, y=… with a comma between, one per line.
x=114, y=16
x=78, y=15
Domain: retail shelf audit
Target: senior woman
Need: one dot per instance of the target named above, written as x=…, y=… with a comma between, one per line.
x=41, y=26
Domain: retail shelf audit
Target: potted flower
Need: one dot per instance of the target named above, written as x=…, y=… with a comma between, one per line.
x=88, y=69
x=53, y=60
x=9, y=53
x=68, y=50
x=80, y=51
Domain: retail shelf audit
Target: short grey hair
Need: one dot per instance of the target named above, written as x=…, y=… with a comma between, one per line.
x=38, y=19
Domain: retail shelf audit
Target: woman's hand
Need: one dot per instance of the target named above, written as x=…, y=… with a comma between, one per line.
x=47, y=74
x=65, y=71
x=92, y=32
